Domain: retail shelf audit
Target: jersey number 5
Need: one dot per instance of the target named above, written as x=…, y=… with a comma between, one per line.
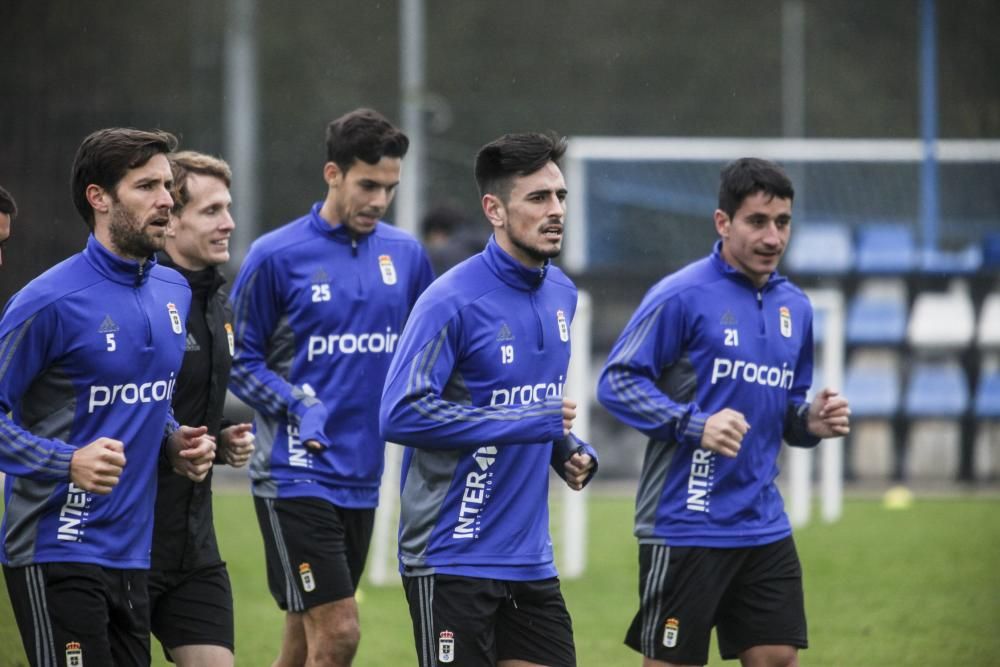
x=110, y=339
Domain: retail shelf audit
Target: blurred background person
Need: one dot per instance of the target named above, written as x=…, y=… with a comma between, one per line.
x=8, y=211
x=449, y=236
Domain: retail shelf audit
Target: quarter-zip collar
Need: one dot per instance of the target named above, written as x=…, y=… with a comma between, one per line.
x=723, y=267
x=511, y=271
x=207, y=280
x=339, y=232
x=115, y=268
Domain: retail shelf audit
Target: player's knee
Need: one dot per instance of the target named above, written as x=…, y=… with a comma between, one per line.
x=770, y=656
x=340, y=641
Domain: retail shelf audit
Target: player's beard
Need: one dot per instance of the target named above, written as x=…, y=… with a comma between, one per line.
x=537, y=254
x=128, y=236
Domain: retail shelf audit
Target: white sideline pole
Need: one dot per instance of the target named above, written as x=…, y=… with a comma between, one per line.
x=579, y=387
x=382, y=559
x=832, y=455
x=832, y=451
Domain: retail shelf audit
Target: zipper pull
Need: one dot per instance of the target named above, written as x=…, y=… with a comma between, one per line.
x=354, y=246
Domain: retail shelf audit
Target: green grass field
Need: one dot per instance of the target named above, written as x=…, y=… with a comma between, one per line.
x=912, y=587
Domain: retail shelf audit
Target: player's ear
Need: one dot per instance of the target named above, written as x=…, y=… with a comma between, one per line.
x=98, y=198
x=722, y=223
x=332, y=174
x=494, y=210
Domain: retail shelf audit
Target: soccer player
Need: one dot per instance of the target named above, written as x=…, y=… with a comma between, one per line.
x=319, y=304
x=190, y=596
x=8, y=211
x=89, y=354
x=475, y=391
x=714, y=367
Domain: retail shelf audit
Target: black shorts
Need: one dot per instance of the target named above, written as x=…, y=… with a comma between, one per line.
x=466, y=622
x=752, y=595
x=193, y=607
x=315, y=550
x=80, y=614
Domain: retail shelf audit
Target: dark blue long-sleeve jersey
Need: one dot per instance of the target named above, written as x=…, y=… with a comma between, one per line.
x=703, y=339
x=89, y=349
x=475, y=392
x=318, y=313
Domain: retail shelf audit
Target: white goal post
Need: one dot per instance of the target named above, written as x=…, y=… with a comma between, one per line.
x=896, y=160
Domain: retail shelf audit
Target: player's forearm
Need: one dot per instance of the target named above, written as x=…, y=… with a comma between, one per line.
x=429, y=422
x=635, y=400
x=24, y=454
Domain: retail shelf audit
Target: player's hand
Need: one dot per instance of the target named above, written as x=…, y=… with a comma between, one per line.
x=577, y=469
x=191, y=452
x=96, y=467
x=829, y=415
x=724, y=432
x=236, y=444
x=314, y=445
x=568, y=414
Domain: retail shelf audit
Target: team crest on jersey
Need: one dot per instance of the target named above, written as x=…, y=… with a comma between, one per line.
x=670, y=630
x=563, y=327
x=230, y=339
x=108, y=325
x=385, y=265
x=308, y=581
x=74, y=655
x=785, y=316
x=175, y=319
x=446, y=646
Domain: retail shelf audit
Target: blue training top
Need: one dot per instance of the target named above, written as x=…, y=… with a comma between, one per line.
x=703, y=339
x=475, y=391
x=89, y=349
x=318, y=314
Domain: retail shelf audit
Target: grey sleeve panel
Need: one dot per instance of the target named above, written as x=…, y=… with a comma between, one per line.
x=653, y=478
x=281, y=348
x=28, y=504
x=428, y=479
x=427, y=482
x=49, y=405
x=680, y=383
x=265, y=435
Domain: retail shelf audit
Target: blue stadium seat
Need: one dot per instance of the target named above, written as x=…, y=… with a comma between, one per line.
x=876, y=319
x=936, y=390
x=963, y=262
x=873, y=391
x=991, y=251
x=820, y=248
x=988, y=396
x=885, y=249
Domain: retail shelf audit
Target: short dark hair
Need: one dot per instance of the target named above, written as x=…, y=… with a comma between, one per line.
x=7, y=204
x=105, y=157
x=185, y=163
x=363, y=134
x=499, y=161
x=749, y=175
